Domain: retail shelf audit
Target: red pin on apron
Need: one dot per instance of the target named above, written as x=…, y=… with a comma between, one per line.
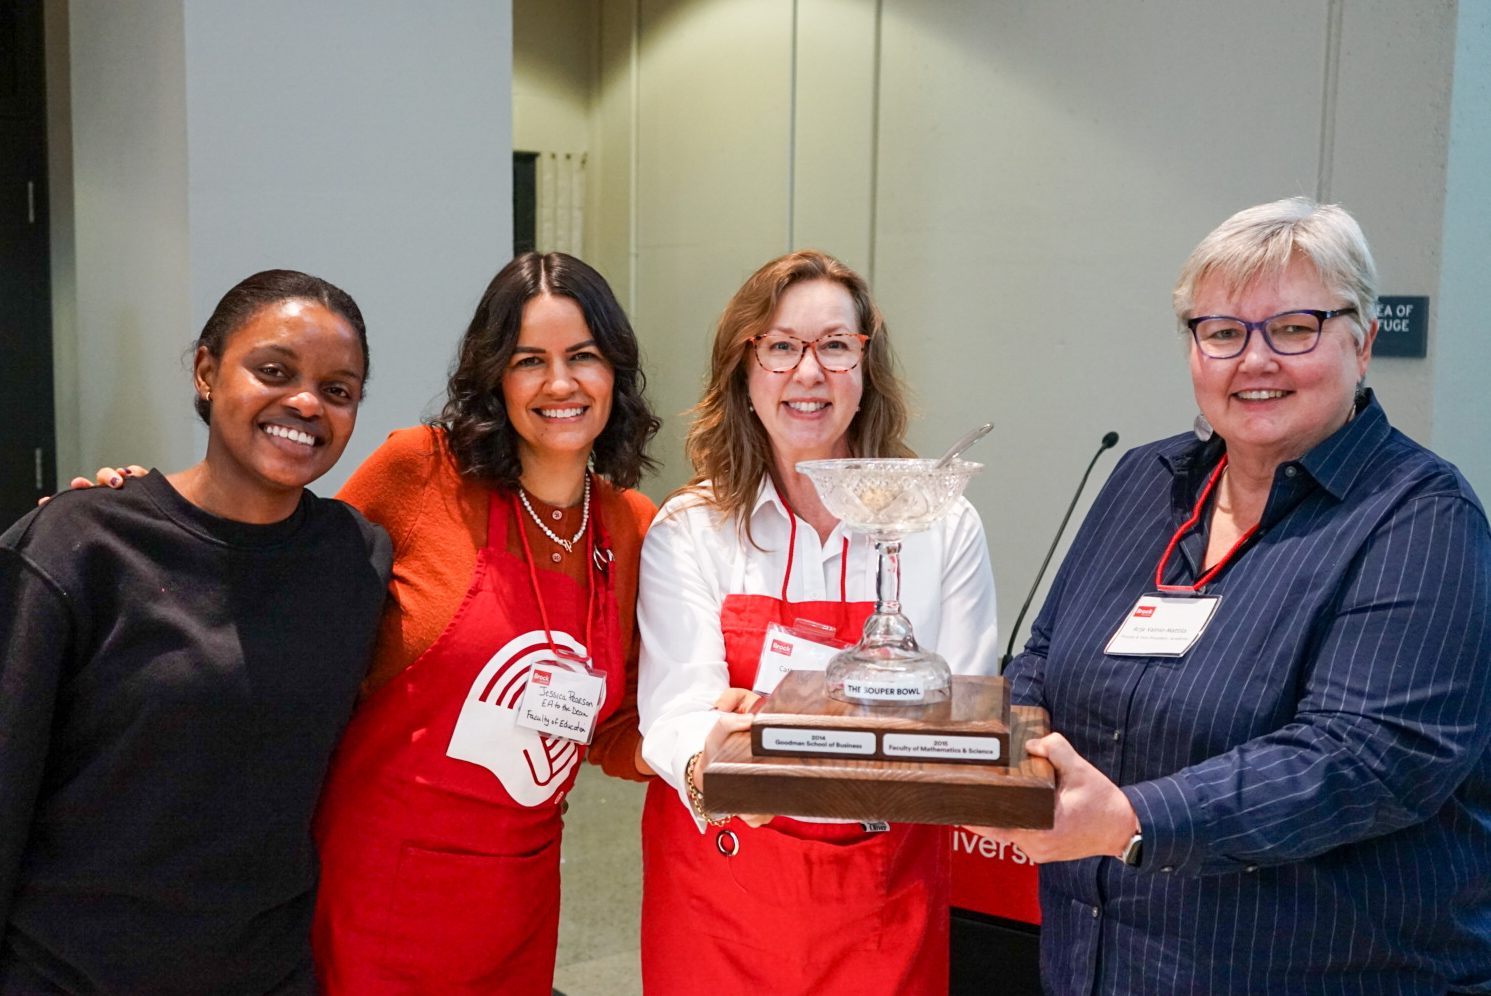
x=791, y=907
x=439, y=825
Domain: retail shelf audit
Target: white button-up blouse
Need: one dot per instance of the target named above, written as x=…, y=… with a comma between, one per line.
x=692, y=559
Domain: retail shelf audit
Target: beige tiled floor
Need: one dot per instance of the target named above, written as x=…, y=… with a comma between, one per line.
x=602, y=888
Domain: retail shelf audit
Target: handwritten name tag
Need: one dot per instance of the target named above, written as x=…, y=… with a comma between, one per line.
x=562, y=702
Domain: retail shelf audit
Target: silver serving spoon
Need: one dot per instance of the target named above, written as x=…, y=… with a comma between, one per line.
x=963, y=444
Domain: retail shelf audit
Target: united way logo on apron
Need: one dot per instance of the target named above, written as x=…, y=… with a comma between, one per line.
x=530, y=766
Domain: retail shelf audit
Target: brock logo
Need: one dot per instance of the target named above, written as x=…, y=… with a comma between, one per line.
x=530, y=765
x=1144, y=612
x=781, y=647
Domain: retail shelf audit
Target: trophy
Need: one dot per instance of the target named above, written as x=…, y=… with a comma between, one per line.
x=887, y=732
x=887, y=499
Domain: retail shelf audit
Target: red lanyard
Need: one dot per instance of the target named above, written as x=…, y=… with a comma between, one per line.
x=1159, y=572
x=792, y=547
x=543, y=613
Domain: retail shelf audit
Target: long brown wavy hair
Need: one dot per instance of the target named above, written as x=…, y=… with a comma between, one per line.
x=727, y=444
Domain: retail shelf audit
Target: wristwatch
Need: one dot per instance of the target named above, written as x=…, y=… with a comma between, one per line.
x=1133, y=851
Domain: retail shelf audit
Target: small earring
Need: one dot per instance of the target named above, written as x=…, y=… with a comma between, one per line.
x=1202, y=428
x=750, y=407
x=208, y=396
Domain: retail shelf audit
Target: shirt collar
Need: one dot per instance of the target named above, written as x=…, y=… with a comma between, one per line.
x=767, y=496
x=1339, y=461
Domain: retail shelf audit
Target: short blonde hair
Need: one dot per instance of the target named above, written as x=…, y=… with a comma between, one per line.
x=727, y=444
x=1262, y=240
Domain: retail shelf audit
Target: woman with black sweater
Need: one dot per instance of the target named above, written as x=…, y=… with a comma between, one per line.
x=177, y=660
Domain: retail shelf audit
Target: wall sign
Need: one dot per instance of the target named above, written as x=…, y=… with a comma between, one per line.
x=1402, y=327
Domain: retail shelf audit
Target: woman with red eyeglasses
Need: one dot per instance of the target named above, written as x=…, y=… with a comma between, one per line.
x=801, y=369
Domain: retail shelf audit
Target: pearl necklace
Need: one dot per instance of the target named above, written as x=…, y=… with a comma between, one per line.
x=568, y=544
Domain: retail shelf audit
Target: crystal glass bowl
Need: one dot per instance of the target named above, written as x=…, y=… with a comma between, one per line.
x=888, y=495
x=888, y=498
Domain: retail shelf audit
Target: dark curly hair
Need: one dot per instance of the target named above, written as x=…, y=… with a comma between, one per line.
x=477, y=430
x=253, y=294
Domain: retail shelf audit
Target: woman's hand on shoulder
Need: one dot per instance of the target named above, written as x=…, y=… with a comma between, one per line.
x=109, y=477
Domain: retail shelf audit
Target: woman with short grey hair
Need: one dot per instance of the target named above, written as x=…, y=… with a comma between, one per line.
x=1265, y=660
x=1264, y=238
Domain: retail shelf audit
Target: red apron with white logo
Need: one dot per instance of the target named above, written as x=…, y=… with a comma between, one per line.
x=792, y=907
x=439, y=825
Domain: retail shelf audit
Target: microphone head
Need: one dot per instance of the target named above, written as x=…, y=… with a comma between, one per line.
x=1110, y=440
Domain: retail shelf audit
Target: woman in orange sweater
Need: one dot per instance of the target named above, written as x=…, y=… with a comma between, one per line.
x=508, y=645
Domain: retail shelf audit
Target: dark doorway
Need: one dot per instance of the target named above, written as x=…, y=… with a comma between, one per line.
x=28, y=439
x=525, y=202
x=993, y=955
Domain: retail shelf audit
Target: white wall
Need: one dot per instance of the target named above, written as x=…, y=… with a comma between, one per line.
x=366, y=143
x=1021, y=182
x=133, y=263
x=1387, y=166
x=554, y=67
x=63, y=238
x=1462, y=388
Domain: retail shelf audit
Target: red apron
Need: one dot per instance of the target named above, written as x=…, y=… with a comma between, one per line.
x=440, y=822
x=798, y=908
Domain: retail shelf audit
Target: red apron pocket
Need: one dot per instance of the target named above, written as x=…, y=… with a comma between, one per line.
x=453, y=927
x=798, y=898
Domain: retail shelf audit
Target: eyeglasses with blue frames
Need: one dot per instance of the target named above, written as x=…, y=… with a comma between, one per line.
x=1289, y=334
x=781, y=353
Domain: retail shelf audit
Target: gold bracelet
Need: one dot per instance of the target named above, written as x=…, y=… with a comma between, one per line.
x=696, y=797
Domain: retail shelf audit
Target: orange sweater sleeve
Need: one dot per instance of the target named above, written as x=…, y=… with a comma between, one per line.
x=627, y=516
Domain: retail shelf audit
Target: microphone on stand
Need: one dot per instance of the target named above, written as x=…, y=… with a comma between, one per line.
x=1109, y=441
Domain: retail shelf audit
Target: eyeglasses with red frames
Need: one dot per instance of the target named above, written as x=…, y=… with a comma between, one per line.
x=1222, y=337
x=781, y=353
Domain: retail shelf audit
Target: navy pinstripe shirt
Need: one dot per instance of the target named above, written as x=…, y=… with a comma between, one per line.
x=1313, y=779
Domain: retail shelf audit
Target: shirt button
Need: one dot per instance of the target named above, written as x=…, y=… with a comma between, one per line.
x=556, y=515
x=1250, y=869
x=555, y=557
x=1117, y=734
x=1168, y=868
x=1094, y=912
x=1291, y=470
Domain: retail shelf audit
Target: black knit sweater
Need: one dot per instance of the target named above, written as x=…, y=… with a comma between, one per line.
x=171, y=687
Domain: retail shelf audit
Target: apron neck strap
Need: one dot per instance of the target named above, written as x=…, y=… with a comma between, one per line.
x=792, y=549
x=1201, y=582
x=844, y=571
x=538, y=595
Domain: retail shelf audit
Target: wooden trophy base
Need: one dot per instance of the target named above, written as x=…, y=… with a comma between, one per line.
x=800, y=719
x=1018, y=795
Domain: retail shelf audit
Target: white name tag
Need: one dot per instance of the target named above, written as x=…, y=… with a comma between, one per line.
x=923, y=745
x=887, y=689
x=791, y=650
x=828, y=741
x=562, y=702
x=1163, y=626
